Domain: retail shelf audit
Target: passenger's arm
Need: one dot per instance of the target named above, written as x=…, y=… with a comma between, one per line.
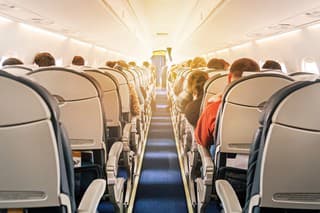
x=228, y=197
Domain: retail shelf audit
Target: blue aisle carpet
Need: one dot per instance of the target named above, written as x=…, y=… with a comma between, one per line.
x=160, y=188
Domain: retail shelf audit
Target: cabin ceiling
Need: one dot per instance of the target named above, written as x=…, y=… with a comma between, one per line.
x=190, y=27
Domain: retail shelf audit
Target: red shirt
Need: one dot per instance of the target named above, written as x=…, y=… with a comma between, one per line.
x=206, y=123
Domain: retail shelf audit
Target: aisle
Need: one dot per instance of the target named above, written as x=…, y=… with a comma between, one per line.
x=160, y=188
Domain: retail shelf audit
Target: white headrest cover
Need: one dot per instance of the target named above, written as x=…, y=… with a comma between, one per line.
x=70, y=86
x=261, y=87
x=20, y=104
x=300, y=109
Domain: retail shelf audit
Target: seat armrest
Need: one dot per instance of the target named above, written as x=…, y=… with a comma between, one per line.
x=126, y=133
x=91, y=198
x=207, y=164
x=134, y=120
x=113, y=160
x=228, y=197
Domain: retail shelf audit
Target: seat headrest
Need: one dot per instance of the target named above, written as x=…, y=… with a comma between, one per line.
x=18, y=70
x=107, y=82
x=288, y=106
x=119, y=75
x=237, y=91
x=23, y=101
x=67, y=84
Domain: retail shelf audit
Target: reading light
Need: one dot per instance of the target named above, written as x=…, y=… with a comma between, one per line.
x=5, y=20
x=81, y=42
x=38, y=30
x=274, y=37
x=241, y=46
x=222, y=51
x=314, y=26
x=101, y=48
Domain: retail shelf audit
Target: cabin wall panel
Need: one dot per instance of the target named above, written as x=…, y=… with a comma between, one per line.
x=23, y=42
x=290, y=49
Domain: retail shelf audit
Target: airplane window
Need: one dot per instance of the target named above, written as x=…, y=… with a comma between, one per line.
x=2, y=59
x=283, y=67
x=309, y=65
x=59, y=62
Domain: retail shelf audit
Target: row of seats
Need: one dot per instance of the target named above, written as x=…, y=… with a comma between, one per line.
x=230, y=176
x=84, y=110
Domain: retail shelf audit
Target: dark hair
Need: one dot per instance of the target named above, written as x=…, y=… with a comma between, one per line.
x=44, y=59
x=11, y=61
x=218, y=64
x=110, y=64
x=244, y=65
x=78, y=60
x=272, y=65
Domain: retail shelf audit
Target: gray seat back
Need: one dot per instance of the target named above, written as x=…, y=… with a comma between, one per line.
x=242, y=104
x=29, y=159
x=123, y=88
x=80, y=106
x=18, y=70
x=304, y=76
x=110, y=99
x=214, y=86
x=289, y=153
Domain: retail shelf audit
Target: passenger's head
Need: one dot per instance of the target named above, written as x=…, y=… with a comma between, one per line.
x=272, y=65
x=218, y=64
x=198, y=62
x=242, y=65
x=123, y=64
x=196, y=81
x=132, y=63
x=146, y=64
x=11, y=61
x=111, y=64
x=44, y=59
x=78, y=61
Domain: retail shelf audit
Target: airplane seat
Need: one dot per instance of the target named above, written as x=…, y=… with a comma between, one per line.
x=304, y=76
x=36, y=163
x=124, y=92
x=19, y=70
x=111, y=102
x=79, y=99
x=135, y=82
x=213, y=87
x=283, y=175
x=242, y=104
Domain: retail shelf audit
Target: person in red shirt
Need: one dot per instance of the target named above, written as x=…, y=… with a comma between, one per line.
x=206, y=123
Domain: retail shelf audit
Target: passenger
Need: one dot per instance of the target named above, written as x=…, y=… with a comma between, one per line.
x=78, y=61
x=218, y=64
x=181, y=87
x=198, y=62
x=132, y=63
x=120, y=65
x=134, y=101
x=11, y=61
x=146, y=64
x=271, y=65
x=44, y=59
x=206, y=124
x=111, y=64
x=196, y=82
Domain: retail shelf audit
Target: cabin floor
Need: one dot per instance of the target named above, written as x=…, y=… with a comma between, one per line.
x=160, y=188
